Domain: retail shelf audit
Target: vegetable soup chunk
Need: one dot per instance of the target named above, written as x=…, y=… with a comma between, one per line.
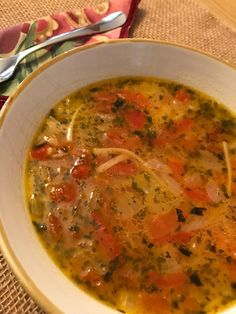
x=131, y=187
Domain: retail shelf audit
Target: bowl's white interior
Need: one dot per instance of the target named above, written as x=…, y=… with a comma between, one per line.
x=123, y=58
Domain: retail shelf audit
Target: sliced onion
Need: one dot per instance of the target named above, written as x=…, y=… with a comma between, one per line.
x=164, y=172
x=58, y=154
x=172, y=265
x=89, y=193
x=127, y=300
x=209, y=161
x=172, y=184
x=214, y=192
x=105, y=116
x=192, y=181
x=196, y=224
x=158, y=165
x=54, y=126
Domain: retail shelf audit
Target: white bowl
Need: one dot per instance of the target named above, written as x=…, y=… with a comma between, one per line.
x=26, y=109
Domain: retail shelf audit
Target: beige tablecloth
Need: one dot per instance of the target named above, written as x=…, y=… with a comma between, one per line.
x=187, y=22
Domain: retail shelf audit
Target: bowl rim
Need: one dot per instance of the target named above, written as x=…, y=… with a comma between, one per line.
x=38, y=296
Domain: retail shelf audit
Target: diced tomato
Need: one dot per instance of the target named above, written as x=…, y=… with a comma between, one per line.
x=105, y=101
x=105, y=238
x=154, y=304
x=171, y=280
x=162, y=225
x=92, y=277
x=177, y=166
x=162, y=139
x=182, y=95
x=134, y=98
x=191, y=304
x=176, y=237
x=135, y=119
x=231, y=269
x=97, y=217
x=107, y=243
x=189, y=142
x=117, y=137
x=104, y=216
x=197, y=195
x=183, y=125
x=64, y=192
x=163, y=229
x=134, y=142
x=115, y=133
x=105, y=96
x=123, y=169
x=55, y=226
x=79, y=153
x=41, y=152
x=181, y=237
x=226, y=241
x=81, y=171
x=233, y=162
x=101, y=159
x=128, y=275
x=120, y=137
x=159, y=141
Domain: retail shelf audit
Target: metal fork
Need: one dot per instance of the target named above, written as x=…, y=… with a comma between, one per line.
x=112, y=21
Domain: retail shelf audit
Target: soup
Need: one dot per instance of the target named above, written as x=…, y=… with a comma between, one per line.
x=131, y=187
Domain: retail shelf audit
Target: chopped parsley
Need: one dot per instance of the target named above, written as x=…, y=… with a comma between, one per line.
x=195, y=279
x=180, y=215
x=197, y=211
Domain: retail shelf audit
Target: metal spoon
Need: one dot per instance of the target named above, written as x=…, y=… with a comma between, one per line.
x=112, y=21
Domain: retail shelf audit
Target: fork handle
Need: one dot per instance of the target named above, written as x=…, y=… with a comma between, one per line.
x=112, y=21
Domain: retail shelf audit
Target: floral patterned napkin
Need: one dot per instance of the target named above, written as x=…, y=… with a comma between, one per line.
x=25, y=35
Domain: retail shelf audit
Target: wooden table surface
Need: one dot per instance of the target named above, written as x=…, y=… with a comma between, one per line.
x=224, y=9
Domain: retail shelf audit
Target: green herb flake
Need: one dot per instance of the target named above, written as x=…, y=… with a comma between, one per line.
x=119, y=310
x=175, y=304
x=169, y=124
x=138, y=133
x=229, y=259
x=233, y=285
x=149, y=244
x=119, y=103
x=194, y=278
x=146, y=177
x=220, y=156
x=149, y=120
x=207, y=110
x=40, y=227
x=180, y=215
x=184, y=250
x=228, y=124
x=140, y=214
x=211, y=248
x=198, y=211
x=137, y=188
x=209, y=172
x=119, y=121
x=150, y=289
x=74, y=228
x=112, y=267
x=94, y=89
x=151, y=133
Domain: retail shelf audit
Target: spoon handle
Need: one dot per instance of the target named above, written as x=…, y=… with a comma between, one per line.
x=112, y=21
